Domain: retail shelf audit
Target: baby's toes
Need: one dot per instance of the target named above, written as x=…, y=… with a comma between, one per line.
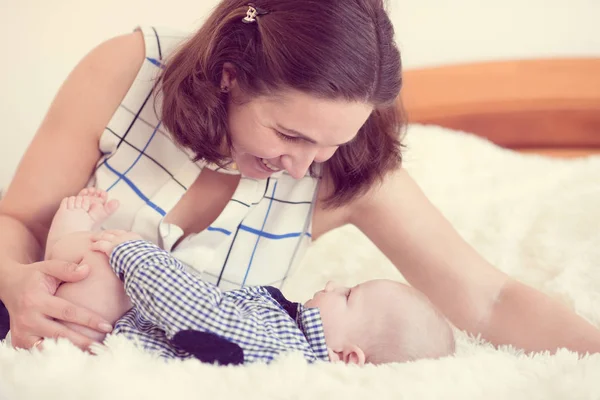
x=97, y=192
x=80, y=203
x=85, y=203
x=71, y=202
x=111, y=206
x=100, y=212
x=64, y=204
x=96, y=195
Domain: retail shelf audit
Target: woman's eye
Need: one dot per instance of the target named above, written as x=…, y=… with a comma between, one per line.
x=287, y=138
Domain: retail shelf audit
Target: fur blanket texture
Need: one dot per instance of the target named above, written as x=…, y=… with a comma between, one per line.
x=533, y=217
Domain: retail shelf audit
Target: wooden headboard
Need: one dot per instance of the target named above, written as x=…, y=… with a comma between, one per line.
x=549, y=105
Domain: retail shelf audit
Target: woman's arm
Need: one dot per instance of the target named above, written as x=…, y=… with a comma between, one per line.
x=529, y=319
x=473, y=294
x=58, y=163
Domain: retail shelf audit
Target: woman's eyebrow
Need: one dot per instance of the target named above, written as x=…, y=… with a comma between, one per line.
x=303, y=136
x=296, y=133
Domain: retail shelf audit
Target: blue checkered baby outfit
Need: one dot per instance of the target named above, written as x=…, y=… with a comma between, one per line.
x=178, y=315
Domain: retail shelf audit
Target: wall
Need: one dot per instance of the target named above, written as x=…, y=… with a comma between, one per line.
x=42, y=40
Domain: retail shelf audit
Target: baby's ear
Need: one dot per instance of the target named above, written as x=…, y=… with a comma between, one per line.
x=353, y=354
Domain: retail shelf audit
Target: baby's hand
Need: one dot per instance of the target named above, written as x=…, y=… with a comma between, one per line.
x=106, y=241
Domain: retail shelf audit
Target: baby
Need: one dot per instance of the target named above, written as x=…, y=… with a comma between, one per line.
x=179, y=315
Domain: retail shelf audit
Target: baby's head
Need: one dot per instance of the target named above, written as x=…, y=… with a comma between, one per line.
x=381, y=321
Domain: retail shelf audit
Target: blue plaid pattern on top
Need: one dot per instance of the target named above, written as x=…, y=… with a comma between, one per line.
x=167, y=300
x=261, y=233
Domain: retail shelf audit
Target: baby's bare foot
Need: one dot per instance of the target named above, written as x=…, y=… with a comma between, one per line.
x=99, y=209
x=84, y=212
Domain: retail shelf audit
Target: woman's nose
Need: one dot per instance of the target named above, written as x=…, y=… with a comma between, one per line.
x=297, y=166
x=325, y=154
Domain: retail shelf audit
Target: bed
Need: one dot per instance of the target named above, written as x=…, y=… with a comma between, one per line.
x=510, y=153
x=549, y=106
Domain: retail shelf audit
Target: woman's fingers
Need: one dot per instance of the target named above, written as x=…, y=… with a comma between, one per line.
x=54, y=330
x=62, y=310
x=22, y=341
x=64, y=271
x=47, y=328
x=32, y=305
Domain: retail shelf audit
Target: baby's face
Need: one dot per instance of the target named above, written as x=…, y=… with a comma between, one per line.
x=347, y=312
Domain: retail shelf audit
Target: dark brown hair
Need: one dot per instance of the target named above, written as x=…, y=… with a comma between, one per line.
x=333, y=49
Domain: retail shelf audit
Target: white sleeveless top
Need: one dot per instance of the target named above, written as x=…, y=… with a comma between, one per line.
x=261, y=233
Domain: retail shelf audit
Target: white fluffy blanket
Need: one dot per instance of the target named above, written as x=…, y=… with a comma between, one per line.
x=535, y=218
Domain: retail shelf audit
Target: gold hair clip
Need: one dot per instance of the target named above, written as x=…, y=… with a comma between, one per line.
x=252, y=13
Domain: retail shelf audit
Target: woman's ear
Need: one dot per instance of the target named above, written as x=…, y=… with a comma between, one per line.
x=228, y=76
x=353, y=354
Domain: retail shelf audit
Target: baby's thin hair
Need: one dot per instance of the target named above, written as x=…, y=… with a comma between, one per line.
x=412, y=329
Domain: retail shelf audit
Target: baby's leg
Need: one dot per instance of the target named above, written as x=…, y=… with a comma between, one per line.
x=101, y=291
x=69, y=240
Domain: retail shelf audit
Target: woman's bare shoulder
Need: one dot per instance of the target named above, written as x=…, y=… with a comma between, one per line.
x=64, y=150
x=116, y=62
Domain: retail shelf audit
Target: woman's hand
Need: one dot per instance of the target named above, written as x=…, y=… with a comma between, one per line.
x=106, y=241
x=35, y=313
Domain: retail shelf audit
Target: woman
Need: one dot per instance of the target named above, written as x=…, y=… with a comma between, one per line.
x=274, y=124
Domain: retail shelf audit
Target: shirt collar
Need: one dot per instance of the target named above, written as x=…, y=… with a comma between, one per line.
x=309, y=322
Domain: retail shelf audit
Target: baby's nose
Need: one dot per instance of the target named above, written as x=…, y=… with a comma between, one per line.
x=331, y=285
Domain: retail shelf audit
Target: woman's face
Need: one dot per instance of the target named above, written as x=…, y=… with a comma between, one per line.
x=290, y=131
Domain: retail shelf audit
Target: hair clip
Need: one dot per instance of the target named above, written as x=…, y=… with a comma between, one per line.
x=252, y=13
